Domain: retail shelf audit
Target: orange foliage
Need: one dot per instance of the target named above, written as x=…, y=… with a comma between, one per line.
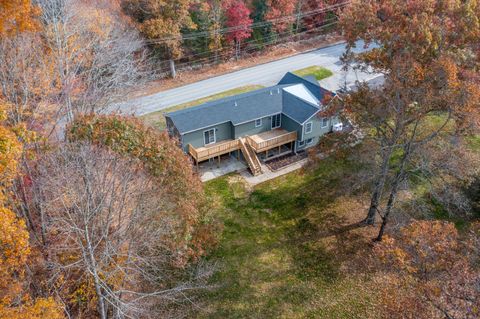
x=430, y=272
x=14, y=241
x=17, y=16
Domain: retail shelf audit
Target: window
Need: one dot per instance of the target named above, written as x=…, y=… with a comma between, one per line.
x=324, y=122
x=308, y=127
x=209, y=136
x=301, y=143
x=258, y=123
x=276, y=120
x=309, y=141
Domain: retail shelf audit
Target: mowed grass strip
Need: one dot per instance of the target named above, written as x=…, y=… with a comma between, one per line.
x=272, y=260
x=158, y=120
x=318, y=72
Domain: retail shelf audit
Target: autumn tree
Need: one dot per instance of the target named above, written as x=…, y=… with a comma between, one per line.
x=174, y=177
x=162, y=22
x=239, y=21
x=109, y=233
x=435, y=76
x=94, y=56
x=281, y=10
x=430, y=271
x=313, y=13
x=15, y=298
x=209, y=17
x=17, y=16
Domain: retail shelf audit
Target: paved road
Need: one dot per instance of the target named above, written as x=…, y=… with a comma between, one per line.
x=265, y=74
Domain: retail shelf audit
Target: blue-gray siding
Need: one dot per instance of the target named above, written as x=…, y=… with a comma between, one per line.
x=222, y=132
x=250, y=129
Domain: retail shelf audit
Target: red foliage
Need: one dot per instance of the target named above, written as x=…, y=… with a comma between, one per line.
x=279, y=9
x=314, y=14
x=238, y=17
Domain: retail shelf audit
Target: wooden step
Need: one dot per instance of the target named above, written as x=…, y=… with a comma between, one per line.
x=250, y=157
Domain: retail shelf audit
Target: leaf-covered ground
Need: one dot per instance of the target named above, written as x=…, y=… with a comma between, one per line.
x=285, y=251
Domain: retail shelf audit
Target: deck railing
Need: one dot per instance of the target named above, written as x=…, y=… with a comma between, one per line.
x=273, y=142
x=205, y=153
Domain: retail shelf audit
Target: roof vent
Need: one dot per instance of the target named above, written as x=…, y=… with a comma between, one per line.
x=278, y=90
x=271, y=93
x=236, y=104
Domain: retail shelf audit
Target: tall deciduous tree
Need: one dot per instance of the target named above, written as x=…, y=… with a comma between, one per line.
x=120, y=217
x=94, y=56
x=174, y=177
x=210, y=15
x=162, y=22
x=432, y=272
x=239, y=21
x=282, y=11
x=436, y=74
x=15, y=250
x=109, y=233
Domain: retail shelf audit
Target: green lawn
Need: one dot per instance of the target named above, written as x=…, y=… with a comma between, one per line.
x=318, y=72
x=158, y=120
x=282, y=253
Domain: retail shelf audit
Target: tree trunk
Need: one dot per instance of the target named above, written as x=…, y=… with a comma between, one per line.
x=237, y=49
x=388, y=210
x=396, y=183
x=173, y=72
x=379, y=186
x=94, y=273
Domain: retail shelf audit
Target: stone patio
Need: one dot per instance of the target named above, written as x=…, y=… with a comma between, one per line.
x=213, y=169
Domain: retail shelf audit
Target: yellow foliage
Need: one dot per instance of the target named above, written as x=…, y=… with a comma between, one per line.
x=14, y=244
x=14, y=237
x=42, y=308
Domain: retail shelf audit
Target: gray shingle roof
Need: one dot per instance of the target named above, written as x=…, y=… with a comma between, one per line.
x=236, y=109
x=296, y=108
x=249, y=106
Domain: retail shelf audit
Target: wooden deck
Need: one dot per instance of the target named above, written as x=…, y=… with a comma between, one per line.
x=271, y=139
x=258, y=143
x=210, y=151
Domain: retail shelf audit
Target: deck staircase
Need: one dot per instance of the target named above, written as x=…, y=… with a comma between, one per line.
x=251, y=157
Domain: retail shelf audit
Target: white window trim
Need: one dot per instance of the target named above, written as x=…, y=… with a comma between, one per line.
x=279, y=122
x=307, y=141
x=328, y=122
x=311, y=128
x=214, y=136
x=301, y=143
x=261, y=122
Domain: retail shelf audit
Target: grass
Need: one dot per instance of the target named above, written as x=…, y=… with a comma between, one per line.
x=158, y=120
x=278, y=256
x=318, y=72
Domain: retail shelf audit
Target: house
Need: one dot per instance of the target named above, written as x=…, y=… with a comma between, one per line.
x=258, y=125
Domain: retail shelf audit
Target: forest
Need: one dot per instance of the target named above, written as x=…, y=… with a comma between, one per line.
x=104, y=216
